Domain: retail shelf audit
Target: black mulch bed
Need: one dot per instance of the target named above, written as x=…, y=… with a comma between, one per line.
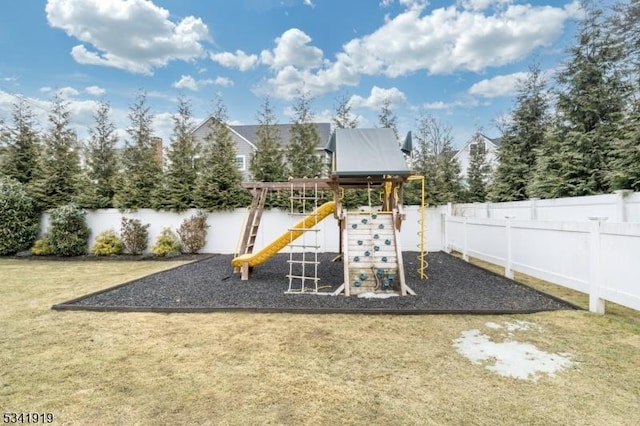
x=209, y=285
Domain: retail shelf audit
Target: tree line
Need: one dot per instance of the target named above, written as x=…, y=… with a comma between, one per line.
x=56, y=168
x=579, y=136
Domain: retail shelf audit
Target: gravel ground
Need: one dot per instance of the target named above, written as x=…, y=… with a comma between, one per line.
x=209, y=285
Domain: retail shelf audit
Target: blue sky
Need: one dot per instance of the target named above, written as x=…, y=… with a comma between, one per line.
x=457, y=60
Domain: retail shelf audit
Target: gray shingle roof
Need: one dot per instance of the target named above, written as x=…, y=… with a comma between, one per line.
x=249, y=132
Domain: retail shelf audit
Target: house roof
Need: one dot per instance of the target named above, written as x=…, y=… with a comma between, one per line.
x=367, y=152
x=250, y=132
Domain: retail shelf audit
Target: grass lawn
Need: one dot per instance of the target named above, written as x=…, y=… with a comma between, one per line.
x=244, y=368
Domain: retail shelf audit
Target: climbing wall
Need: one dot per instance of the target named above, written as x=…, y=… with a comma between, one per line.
x=374, y=260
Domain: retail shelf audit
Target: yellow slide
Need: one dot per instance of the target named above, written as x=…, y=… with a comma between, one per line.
x=265, y=253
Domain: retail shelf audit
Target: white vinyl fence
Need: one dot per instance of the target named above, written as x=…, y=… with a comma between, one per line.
x=589, y=244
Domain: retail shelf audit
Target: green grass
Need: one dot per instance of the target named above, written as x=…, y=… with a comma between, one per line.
x=243, y=368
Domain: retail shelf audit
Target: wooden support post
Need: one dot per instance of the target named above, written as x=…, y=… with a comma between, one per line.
x=244, y=271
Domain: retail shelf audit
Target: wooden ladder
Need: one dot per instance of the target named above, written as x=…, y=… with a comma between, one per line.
x=253, y=221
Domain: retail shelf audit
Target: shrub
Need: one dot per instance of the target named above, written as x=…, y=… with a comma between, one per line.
x=68, y=232
x=19, y=217
x=41, y=247
x=107, y=243
x=193, y=232
x=135, y=235
x=166, y=243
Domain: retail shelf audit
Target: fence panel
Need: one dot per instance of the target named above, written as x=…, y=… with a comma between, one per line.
x=554, y=251
x=619, y=256
x=486, y=240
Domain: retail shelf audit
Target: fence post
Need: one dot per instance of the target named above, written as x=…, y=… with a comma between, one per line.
x=465, y=256
x=508, y=268
x=621, y=214
x=533, y=214
x=448, y=213
x=596, y=303
x=443, y=232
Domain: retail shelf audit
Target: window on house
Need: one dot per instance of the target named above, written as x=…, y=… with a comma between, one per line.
x=241, y=163
x=477, y=147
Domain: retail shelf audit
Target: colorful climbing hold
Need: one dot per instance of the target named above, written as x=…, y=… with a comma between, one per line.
x=376, y=236
x=363, y=276
x=376, y=248
x=356, y=283
x=364, y=221
x=381, y=226
x=387, y=242
x=359, y=242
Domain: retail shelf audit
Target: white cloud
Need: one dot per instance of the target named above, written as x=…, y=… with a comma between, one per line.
x=134, y=35
x=186, y=82
x=67, y=92
x=309, y=3
x=449, y=39
x=95, y=90
x=377, y=97
x=292, y=49
x=190, y=83
x=239, y=60
x=498, y=86
x=290, y=79
x=223, y=81
x=472, y=35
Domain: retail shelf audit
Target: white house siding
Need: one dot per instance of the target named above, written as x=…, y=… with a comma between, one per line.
x=464, y=155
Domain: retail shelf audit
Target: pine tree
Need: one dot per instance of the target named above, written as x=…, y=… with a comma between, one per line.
x=140, y=181
x=267, y=161
x=181, y=172
x=218, y=185
x=102, y=161
x=21, y=145
x=589, y=107
x=521, y=140
x=304, y=140
x=56, y=180
x=625, y=165
x=387, y=117
x=477, y=175
x=343, y=118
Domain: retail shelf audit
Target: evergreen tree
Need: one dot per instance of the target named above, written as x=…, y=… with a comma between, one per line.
x=521, y=140
x=448, y=176
x=387, y=117
x=267, y=161
x=304, y=140
x=218, y=185
x=477, y=174
x=140, y=181
x=624, y=170
x=343, y=118
x=589, y=106
x=625, y=165
x=549, y=180
x=181, y=172
x=21, y=145
x=102, y=161
x=56, y=180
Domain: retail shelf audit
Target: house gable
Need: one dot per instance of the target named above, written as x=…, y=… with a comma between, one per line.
x=489, y=145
